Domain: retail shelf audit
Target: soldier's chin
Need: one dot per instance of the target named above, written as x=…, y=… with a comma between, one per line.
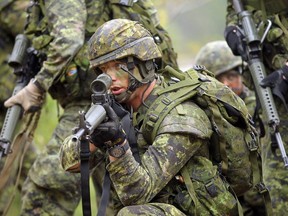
x=123, y=97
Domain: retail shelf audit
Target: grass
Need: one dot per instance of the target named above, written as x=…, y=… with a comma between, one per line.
x=46, y=125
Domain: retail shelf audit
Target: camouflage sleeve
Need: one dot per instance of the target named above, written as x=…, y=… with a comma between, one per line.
x=137, y=184
x=69, y=155
x=67, y=27
x=13, y=16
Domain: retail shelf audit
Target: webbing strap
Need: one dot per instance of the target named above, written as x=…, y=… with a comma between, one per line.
x=190, y=187
x=263, y=191
x=160, y=110
x=85, y=187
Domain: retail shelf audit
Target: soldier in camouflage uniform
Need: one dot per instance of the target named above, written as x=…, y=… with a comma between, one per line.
x=12, y=20
x=275, y=56
x=60, y=30
x=125, y=51
x=217, y=57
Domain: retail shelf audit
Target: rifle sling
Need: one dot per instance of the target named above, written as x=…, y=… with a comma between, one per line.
x=85, y=188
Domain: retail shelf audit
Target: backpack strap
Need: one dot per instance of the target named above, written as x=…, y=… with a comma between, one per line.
x=168, y=98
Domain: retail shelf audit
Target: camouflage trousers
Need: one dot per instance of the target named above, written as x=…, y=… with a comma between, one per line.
x=157, y=209
x=49, y=190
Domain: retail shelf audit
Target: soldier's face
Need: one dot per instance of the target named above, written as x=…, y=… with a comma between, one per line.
x=233, y=80
x=120, y=78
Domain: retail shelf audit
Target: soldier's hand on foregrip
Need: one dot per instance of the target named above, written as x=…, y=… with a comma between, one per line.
x=109, y=133
x=30, y=98
x=275, y=78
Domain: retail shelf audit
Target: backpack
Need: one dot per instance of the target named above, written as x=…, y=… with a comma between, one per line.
x=233, y=143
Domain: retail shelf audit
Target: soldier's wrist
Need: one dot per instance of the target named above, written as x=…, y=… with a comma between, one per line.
x=38, y=85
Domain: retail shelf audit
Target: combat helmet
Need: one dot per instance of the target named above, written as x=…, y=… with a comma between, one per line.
x=128, y=41
x=217, y=57
x=119, y=38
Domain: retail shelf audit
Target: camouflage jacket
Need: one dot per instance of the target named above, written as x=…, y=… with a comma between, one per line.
x=183, y=142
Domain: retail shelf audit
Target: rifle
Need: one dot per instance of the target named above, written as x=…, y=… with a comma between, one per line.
x=88, y=122
x=249, y=47
x=26, y=62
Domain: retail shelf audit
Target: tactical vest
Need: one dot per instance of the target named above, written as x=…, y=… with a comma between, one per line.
x=98, y=12
x=234, y=142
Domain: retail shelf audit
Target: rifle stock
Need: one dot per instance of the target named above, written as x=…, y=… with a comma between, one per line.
x=253, y=56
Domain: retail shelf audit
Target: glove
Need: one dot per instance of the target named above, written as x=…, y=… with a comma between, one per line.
x=109, y=133
x=234, y=38
x=275, y=77
x=30, y=98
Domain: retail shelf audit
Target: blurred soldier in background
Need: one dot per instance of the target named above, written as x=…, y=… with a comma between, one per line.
x=12, y=20
x=60, y=30
x=217, y=57
x=275, y=56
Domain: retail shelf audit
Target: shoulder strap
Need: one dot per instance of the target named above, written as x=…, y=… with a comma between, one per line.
x=168, y=98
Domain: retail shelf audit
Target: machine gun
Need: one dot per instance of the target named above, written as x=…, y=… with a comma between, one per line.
x=26, y=62
x=245, y=41
x=88, y=123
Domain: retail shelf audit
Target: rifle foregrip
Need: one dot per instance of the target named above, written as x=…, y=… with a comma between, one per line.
x=10, y=122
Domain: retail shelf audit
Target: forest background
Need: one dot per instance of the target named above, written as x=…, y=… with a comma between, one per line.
x=190, y=23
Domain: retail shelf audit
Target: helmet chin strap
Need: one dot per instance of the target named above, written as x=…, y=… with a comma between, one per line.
x=146, y=70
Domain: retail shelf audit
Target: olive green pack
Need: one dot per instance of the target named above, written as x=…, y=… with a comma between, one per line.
x=234, y=142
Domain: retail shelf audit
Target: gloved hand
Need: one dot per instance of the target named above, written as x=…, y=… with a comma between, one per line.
x=275, y=77
x=234, y=38
x=109, y=133
x=30, y=98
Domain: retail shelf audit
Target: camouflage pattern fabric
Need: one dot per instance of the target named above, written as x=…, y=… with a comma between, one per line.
x=252, y=202
x=153, y=186
x=62, y=35
x=217, y=57
x=12, y=19
x=275, y=50
x=151, y=209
